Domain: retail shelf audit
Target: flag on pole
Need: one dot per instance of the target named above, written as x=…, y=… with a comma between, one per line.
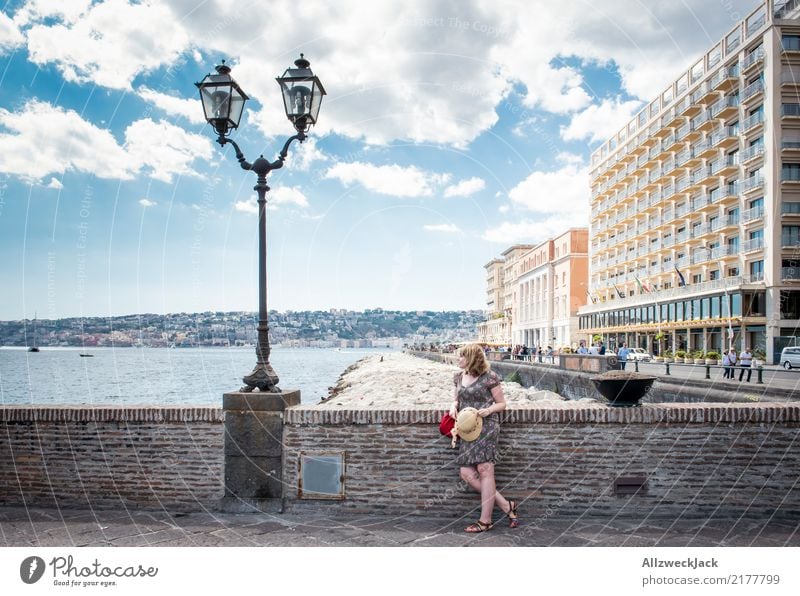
x=642, y=287
x=619, y=293
x=592, y=298
x=682, y=281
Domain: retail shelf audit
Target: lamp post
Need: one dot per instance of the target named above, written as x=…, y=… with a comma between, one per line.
x=223, y=104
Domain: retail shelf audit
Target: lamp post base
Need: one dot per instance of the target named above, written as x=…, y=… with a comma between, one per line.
x=263, y=378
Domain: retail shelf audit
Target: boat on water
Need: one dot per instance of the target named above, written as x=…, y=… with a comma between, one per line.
x=86, y=355
x=34, y=347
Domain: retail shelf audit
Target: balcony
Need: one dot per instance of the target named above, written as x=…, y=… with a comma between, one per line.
x=683, y=157
x=752, y=245
x=724, y=80
x=703, y=121
x=752, y=90
x=700, y=230
x=723, y=252
x=752, y=121
x=752, y=152
x=752, y=183
x=701, y=256
x=725, y=137
x=729, y=221
x=790, y=273
x=725, y=107
x=752, y=59
x=700, y=202
x=751, y=214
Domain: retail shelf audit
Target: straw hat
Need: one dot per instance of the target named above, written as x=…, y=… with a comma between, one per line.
x=469, y=424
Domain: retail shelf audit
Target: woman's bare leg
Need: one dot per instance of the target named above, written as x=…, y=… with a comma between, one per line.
x=470, y=475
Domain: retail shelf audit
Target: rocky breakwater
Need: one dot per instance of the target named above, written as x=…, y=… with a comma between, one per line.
x=400, y=381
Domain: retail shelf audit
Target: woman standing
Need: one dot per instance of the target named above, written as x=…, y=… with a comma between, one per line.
x=478, y=387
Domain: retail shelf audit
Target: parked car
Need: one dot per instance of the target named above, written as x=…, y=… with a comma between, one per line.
x=638, y=354
x=790, y=358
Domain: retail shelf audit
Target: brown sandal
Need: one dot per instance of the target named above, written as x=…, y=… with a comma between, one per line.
x=478, y=527
x=513, y=518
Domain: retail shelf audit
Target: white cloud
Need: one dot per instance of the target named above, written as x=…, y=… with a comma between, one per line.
x=303, y=155
x=599, y=122
x=282, y=195
x=10, y=36
x=465, y=188
x=191, y=109
x=147, y=203
x=164, y=150
x=447, y=228
x=112, y=42
x=287, y=195
x=246, y=206
x=55, y=183
x=564, y=192
x=529, y=232
x=504, y=208
x=393, y=180
x=44, y=139
x=38, y=10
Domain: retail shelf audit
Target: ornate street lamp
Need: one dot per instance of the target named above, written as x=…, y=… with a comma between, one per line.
x=223, y=104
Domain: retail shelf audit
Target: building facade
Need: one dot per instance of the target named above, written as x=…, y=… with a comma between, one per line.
x=550, y=288
x=695, y=221
x=496, y=329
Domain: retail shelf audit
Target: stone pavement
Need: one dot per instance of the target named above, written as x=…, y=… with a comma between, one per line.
x=22, y=527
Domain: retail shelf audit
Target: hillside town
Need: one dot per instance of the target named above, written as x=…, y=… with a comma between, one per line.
x=336, y=328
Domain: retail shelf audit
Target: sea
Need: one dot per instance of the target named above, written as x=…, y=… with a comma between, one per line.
x=161, y=376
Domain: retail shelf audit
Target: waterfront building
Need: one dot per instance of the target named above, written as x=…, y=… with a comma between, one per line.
x=550, y=287
x=534, y=292
x=496, y=328
x=695, y=218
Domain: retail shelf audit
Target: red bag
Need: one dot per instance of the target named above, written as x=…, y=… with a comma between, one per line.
x=447, y=425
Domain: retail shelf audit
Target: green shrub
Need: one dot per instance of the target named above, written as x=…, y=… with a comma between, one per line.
x=514, y=378
x=667, y=353
x=698, y=354
x=680, y=354
x=713, y=355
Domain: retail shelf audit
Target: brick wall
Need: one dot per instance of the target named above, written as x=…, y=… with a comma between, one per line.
x=700, y=460
x=111, y=457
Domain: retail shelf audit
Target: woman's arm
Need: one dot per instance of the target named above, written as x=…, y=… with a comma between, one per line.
x=499, y=402
x=454, y=406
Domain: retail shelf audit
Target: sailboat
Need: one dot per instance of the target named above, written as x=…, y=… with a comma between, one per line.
x=34, y=347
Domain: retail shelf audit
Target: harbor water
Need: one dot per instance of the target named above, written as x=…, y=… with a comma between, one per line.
x=160, y=376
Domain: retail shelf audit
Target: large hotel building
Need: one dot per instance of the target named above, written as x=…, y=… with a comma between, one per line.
x=695, y=220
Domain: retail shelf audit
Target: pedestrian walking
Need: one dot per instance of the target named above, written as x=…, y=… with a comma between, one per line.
x=726, y=365
x=746, y=362
x=733, y=359
x=622, y=355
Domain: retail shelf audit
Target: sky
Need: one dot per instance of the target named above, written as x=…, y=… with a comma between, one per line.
x=451, y=130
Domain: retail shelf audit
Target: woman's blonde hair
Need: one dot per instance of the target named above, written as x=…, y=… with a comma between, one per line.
x=476, y=361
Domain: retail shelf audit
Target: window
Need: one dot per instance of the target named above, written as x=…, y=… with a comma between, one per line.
x=790, y=304
x=790, y=235
x=791, y=172
x=697, y=278
x=790, y=42
x=733, y=271
x=757, y=270
x=713, y=274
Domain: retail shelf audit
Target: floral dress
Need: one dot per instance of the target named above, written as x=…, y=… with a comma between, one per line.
x=478, y=395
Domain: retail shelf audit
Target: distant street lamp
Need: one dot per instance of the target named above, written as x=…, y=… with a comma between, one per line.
x=223, y=104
